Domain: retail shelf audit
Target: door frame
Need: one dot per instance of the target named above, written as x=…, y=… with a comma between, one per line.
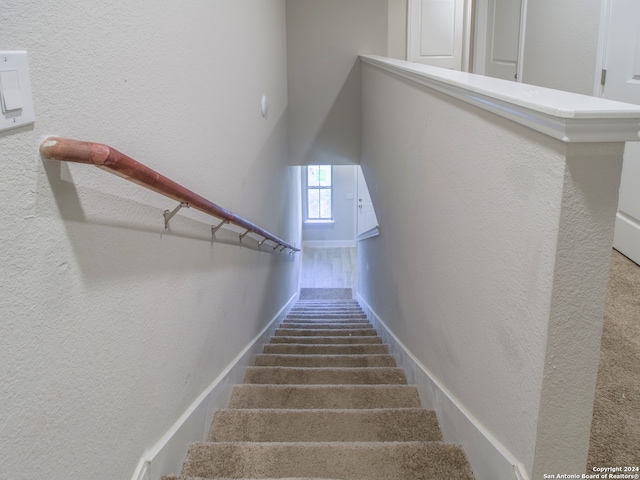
x=601, y=55
x=620, y=239
x=480, y=21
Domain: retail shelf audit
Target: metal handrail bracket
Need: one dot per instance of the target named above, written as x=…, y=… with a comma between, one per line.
x=168, y=215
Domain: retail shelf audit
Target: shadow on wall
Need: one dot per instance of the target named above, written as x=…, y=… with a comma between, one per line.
x=337, y=141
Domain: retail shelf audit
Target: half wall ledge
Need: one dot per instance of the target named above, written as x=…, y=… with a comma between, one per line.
x=565, y=116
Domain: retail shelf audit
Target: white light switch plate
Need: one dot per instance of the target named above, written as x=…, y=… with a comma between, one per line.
x=16, y=102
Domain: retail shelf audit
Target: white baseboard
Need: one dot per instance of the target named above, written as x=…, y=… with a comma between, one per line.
x=626, y=236
x=168, y=454
x=489, y=459
x=329, y=243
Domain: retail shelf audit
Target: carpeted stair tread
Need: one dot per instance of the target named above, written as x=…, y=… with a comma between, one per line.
x=326, y=332
x=329, y=321
x=326, y=326
x=327, y=340
x=318, y=312
x=273, y=360
x=320, y=304
x=345, y=461
x=327, y=315
x=310, y=349
x=325, y=376
x=326, y=308
x=277, y=425
x=324, y=396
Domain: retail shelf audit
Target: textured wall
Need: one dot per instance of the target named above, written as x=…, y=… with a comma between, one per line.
x=491, y=265
x=111, y=327
x=561, y=44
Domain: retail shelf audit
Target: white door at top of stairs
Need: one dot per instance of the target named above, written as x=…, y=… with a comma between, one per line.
x=622, y=83
x=499, y=38
x=437, y=33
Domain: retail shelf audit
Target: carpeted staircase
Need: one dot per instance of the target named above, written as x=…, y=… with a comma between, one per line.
x=325, y=401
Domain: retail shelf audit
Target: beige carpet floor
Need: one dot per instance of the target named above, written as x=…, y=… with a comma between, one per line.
x=615, y=430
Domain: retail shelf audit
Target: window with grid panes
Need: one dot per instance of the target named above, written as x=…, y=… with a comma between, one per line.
x=319, y=192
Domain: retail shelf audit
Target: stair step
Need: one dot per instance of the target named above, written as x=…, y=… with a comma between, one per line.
x=327, y=325
x=330, y=321
x=330, y=332
x=314, y=315
x=277, y=425
x=323, y=312
x=325, y=376
x=311, y=349
x=325, y=396
x=323, y=304
x=272, y=360
x=326, y=340
x=346, y=461
x=331, y=301
x=327, y=308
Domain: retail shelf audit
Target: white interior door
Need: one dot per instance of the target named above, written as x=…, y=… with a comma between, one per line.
x=498, y=42
x=503, y=39
x=436, y=32
x=622, y=60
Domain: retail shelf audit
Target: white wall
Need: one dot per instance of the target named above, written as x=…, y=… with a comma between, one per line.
x=324, y=39
x=491, y=265
x=561, y=44
x=397, y=29
x=344, y=228
x=111, y=327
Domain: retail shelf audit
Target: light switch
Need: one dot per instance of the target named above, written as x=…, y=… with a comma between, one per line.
x=10, y=88
x=15, y=91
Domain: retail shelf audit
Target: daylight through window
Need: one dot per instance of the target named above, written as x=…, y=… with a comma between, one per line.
x=319, y=192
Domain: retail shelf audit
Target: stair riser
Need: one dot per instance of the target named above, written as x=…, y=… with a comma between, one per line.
x=327, y=340
x=299, y=332
x=310, y=349
x=325, y=311
x=265, y=360
x=384, y=425
x=320, y=311
x=334, y=396
x=319, y=315
x=348, y=461
x=329, y=321
x=355, y=308
x=324, y=376
x=327, y=326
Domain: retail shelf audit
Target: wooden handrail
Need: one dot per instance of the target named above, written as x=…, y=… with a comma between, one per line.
x=107, y=158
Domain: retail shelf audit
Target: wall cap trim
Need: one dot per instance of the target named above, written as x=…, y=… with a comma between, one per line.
x=568, y=117
x=372, y=232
